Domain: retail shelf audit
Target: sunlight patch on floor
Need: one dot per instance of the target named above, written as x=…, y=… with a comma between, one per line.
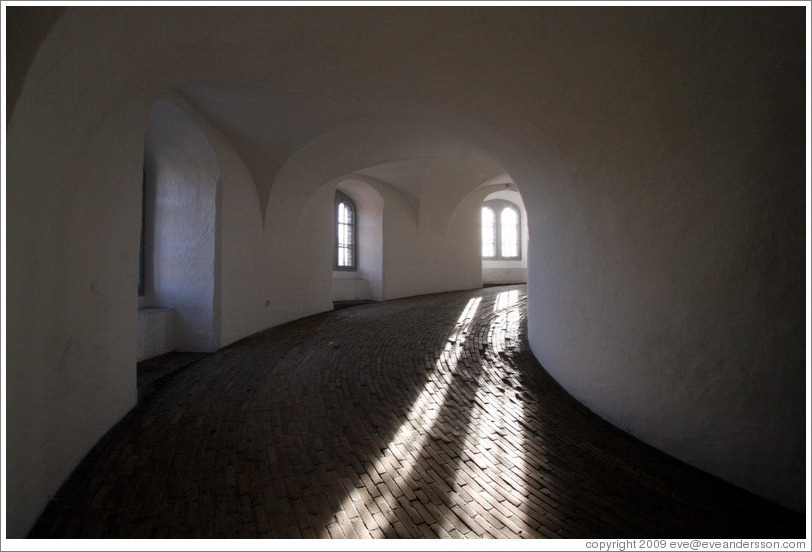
x=404, y=448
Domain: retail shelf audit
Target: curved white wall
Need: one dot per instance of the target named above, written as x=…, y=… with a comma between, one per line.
x=659, y=153
x=667, y=265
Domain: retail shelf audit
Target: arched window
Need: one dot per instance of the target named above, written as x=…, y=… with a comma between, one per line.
x=346, y=246
x=501, y=230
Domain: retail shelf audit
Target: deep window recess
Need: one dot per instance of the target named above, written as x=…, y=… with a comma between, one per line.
x=501, y=230
x=346, y=246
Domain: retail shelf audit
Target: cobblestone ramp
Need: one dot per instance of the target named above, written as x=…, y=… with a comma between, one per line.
x=422, y=417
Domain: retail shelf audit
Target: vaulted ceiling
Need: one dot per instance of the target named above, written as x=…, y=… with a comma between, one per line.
x=268, y=125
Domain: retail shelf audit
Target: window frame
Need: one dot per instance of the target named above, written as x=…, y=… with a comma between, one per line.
x=341, y=197
x=497, y=206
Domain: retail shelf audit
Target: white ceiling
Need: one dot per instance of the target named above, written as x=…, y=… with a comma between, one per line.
x=267, y=125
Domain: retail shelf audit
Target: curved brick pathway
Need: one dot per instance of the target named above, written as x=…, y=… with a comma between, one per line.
x=421, y=417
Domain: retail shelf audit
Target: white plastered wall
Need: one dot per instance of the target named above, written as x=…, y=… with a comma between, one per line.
x=72, y=337
x=182, y=175
x=245, y=299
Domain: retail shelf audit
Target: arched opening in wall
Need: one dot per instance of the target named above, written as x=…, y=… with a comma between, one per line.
x=504, y=237
x=177, y=294
x=357, y=243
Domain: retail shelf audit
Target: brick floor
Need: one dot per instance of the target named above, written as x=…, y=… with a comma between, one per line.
x=422, y=417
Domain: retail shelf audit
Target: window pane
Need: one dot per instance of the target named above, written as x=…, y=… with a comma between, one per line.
x=488, y=233
x=344, y=235
x=344, y=256
x=510, y=232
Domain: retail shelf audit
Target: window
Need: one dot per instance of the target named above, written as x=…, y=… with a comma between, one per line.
x=345, y=233
x=488, y=232
x=501, y=230
x=509, y=240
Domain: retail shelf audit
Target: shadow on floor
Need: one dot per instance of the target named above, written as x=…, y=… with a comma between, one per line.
x=337, y=305
x=153, y=373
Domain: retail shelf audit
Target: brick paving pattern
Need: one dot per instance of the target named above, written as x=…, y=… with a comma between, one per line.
x=422, y=417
